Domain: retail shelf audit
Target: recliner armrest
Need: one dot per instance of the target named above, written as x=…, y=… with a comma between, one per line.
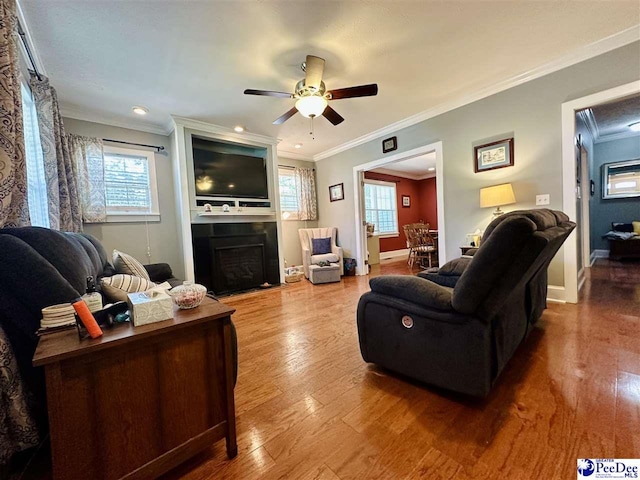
x=414, y=289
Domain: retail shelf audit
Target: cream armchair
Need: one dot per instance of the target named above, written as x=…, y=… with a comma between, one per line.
x=306, y=235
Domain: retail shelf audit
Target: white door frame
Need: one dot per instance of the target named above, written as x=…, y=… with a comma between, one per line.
x=569, y=185
x=358, y=171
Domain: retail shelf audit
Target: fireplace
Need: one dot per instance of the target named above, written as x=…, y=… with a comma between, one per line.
x=234, y=257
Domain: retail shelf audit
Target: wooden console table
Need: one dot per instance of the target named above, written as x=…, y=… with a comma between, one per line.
x=138, y=401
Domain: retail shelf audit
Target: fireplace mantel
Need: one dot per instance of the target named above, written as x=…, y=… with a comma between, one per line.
x=188, y=210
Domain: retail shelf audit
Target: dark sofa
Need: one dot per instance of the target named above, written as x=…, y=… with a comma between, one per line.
x=41, y=267
x=460, y=337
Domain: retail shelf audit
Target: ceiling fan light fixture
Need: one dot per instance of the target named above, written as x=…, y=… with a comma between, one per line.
x=311, y=106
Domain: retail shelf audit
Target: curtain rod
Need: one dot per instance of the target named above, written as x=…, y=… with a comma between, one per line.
x=22, y=36
x=291, y=167
x=159, y=148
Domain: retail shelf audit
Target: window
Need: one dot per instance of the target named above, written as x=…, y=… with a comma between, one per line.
x=381, y=207
x=36, y=182
x=288, y=194
x=130, y=182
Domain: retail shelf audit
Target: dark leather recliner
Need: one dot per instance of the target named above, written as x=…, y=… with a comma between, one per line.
x=460, y=337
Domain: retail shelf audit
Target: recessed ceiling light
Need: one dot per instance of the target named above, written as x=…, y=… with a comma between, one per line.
x=431, y=169
x=635, y=126
x=239, y=128
x=297, y=145
x=140, y=110
x=231, y=185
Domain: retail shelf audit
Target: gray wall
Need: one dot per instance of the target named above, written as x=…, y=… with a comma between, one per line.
x=603, y=212
x=530, y=112
x=291, y=242
x=131, y=237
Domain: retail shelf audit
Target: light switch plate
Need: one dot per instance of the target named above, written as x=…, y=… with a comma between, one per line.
x=542, y=199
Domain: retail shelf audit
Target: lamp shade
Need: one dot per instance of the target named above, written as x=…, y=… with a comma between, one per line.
x=497, y=195
x=311, y=106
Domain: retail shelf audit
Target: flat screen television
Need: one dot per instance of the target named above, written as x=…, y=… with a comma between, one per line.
x=223, y=170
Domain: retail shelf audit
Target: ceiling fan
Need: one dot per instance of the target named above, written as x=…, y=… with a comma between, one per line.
x=312, y=95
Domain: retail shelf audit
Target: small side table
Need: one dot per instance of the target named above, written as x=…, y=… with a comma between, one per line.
x=139, y=401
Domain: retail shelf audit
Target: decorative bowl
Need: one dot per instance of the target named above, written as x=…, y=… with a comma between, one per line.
x=188, y=295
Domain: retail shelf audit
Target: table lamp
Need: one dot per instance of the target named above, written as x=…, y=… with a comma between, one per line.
x=497, y=196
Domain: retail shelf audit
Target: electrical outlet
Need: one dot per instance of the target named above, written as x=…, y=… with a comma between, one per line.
x=542, y=199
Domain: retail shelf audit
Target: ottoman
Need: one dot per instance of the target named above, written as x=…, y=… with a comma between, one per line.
x=318, y=274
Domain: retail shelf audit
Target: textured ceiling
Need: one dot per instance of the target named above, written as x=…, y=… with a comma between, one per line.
x=614, y=118
x=195, y=58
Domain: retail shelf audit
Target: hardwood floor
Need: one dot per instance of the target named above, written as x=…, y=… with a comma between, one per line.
x=308, y=407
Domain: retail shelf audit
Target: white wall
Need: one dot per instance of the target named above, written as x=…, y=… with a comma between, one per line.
x=290, y=240
x=530, y=112
x=131, y=237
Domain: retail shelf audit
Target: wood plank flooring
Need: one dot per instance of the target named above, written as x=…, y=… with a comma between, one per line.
x=309, y=408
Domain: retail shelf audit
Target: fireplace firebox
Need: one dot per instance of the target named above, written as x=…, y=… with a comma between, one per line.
x=235, y=257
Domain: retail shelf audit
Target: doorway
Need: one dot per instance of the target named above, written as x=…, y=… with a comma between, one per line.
x=572, y=201
x=360, y=216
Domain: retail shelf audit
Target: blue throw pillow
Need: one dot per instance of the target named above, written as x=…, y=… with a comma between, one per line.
x=320, y=246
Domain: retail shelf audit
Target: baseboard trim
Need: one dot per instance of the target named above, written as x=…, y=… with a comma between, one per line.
x=394, y=254
x=598, y=254
x=556, y=294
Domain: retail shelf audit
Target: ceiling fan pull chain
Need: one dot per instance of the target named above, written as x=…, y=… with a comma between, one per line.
x=311, y=132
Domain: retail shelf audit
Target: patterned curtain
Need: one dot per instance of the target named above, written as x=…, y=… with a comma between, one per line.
x=306, y=189
x=18, y=429
x=88, y=158
x=14, y=206
x=59, y=168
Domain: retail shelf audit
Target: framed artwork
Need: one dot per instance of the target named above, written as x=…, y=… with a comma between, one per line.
x=336, y=192
x=493, y=155
x=406, y=201
x=390, y=144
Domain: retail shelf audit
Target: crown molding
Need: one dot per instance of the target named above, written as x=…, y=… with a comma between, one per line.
x=616, y=136
x=294, y=156
x=581, y=54
x=590, y=122
x=112, y=120
x=226, y=132
x=29, y=39
x=410, y=176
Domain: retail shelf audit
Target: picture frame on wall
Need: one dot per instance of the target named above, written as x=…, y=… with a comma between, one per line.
x=493, y=155
x=389, y=144
x=406, y=201
x=336, y=192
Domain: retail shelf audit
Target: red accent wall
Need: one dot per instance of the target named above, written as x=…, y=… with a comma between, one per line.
x=423, y=205
x=428, y=202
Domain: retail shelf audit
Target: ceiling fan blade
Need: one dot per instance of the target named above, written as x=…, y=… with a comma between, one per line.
x=333, y=116
x=283, y=118
x=267, y=93
x=351, y=92
x=314, y=67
